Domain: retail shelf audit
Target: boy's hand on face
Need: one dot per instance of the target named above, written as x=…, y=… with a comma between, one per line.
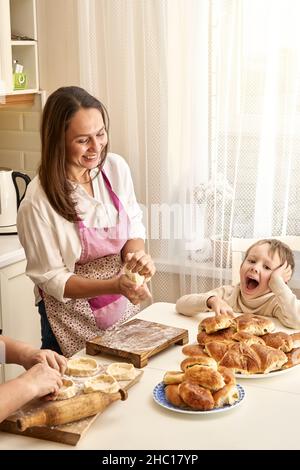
x=284, y=271
x=219, y=306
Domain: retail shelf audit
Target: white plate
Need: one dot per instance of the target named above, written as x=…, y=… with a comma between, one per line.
x=159, y=397
x=274, y=373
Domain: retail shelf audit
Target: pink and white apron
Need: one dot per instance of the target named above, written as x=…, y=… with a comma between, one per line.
x=79, y=320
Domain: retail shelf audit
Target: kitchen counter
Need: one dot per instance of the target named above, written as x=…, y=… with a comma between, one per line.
x=266, y=419
x=11, y=250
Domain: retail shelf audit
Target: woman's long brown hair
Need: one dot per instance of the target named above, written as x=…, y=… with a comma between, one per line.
x=59, y=109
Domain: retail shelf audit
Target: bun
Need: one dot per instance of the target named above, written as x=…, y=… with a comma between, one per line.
x=296, y=339
x=247, y=338
x=222, y=335
x=216, y=323
x=293, y=358
x=198, y=360
x=228, y=395
x=279, y=340
x=173, y=377
x=193, y=350
x=254, y=324
x=270, y=358
x=172, y=395
x=205, y=376
x=227, y=375
x=195, y=396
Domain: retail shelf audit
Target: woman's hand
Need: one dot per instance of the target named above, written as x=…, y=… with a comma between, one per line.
x=32, y=356
x=41, y=380
x=136, y=294
x=218, y=305
x=140, y=262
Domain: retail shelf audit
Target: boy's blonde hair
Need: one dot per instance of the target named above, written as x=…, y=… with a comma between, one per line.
x=283, y=250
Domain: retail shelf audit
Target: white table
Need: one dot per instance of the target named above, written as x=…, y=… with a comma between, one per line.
x=267, y=418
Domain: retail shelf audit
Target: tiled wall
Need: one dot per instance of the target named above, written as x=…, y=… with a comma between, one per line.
x=20, y=137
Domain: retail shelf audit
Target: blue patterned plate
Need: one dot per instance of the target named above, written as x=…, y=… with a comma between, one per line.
x=159, y=397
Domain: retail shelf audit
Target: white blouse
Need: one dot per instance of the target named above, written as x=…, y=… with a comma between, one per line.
x=51, y=243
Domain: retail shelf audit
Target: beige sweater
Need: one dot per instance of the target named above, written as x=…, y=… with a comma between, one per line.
x=281, y=303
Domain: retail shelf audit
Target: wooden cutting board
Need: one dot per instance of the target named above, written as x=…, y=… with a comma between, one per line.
x=67, y=433
x=137, y=340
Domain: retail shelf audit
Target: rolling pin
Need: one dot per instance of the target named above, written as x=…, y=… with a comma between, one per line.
x=67, y=411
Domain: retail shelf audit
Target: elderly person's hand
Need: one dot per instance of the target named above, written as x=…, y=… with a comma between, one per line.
x=140, y=262
x=32, y=356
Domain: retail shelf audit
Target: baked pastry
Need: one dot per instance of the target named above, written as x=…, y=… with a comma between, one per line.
x=173, y=397
x=121, y=370
x=216, y=323
x=134, y=277
x=195, y=396
x=82, y=367
x=242, y=358
x=222, y=335
x=228, y=395
x=217, y=349
x=293, y=358
x=204, y=376
x=247, y=338
x=173, y=377
x=227, y=375
x=101, y=383
x=198, y=360
x=193, y=350
x=270, y=358
x=254, y=324
x=296, y=339
x=68, y=390
x=279, y=340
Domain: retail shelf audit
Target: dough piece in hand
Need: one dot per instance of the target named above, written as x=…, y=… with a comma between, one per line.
x=68, y=390
x=121, y=370
x=134, y=277
x=82, y=367
x=101, y=383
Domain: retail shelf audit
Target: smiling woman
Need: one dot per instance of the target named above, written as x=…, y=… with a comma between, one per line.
x=79, y=224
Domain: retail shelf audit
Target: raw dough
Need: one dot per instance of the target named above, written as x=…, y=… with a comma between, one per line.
x=134, y=277
x=103, y=383
x=82, y=367
x=68, y=390
x=121, y=370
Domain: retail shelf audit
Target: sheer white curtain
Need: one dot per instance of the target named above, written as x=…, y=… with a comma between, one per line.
x=203, y=97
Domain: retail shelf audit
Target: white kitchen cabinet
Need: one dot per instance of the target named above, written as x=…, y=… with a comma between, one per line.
x=19, y=317
x=18, y=18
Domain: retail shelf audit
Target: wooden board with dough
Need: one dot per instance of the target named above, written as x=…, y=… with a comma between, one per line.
x=137, y=340
x=67, y=433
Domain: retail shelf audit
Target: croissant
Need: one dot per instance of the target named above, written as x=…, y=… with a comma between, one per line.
x=279, y=340
x=222, y=335
x=270, y=358
x=242, y=358
x=217, y=349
